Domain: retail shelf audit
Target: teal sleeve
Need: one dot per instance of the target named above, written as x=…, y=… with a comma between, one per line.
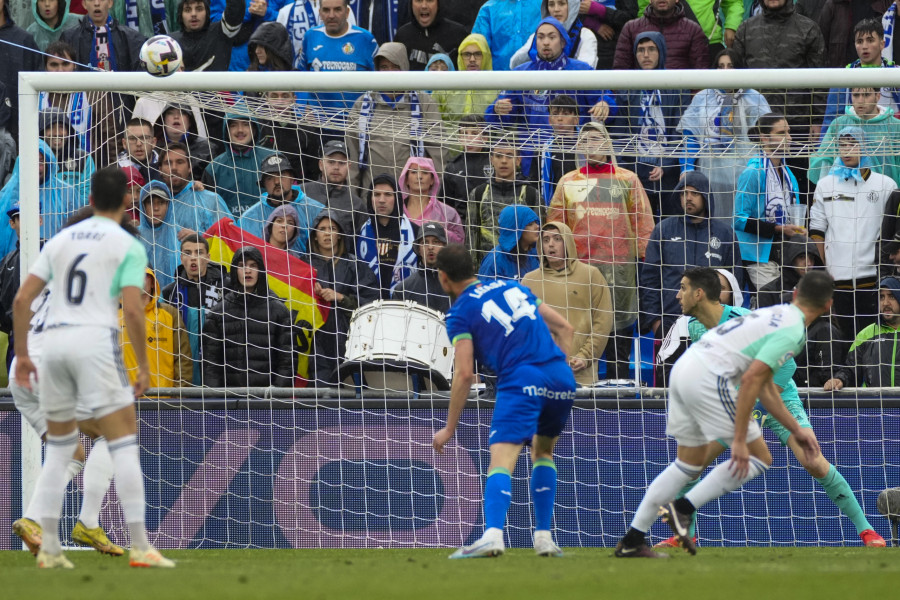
x=131, y=270
x=779, y=348
x=784, y=377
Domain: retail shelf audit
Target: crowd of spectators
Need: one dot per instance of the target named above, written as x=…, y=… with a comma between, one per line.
x=596, y=200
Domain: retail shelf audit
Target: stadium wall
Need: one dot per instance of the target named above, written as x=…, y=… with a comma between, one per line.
x=244, y=475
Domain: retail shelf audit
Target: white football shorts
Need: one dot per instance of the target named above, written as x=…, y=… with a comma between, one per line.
x=82, y=374
x=27, y=402
x=702, y=405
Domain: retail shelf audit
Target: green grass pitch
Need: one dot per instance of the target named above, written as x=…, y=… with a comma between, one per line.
x=722, y=574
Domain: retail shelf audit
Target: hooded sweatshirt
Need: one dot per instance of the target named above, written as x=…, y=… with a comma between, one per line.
x=161, y=240
x=609, y=214
x=504, y=260
x=678, y=244
x=273, y=37
x=455, y=104
x=441, y=37
x=209, y=49
x=57, y=200
x=582, y=45
x=234, y=173
x=757, y=210
x=874, y=357
x=347, y=276
x=75, y=165
x=200, y=147
x=580, y=294
x=375, y=112
x=650, y=118
x=256, y=218
x=285, y=211
x=43, y=34
x=506, y=25
x=687, y=45
x=531, y=108
x=387, y=249
x=247, y=337
x=168, y=344
x=606, y=208
x=435, y=210
x=882, y=143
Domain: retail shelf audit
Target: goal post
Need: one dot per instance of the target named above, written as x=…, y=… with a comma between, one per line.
x=278, y=467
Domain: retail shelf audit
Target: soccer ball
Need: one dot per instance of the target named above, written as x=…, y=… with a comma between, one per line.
x=161, y=56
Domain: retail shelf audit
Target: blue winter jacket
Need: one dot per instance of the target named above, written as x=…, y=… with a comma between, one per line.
x=502, y=261
x=254, y=219
x=628, y=122
x=753, y=231
x=57, y=199
x=506, y=25
x=199, y=210
x=161, y=241
x=678, y=244
x=531, y=108
x=235, y=175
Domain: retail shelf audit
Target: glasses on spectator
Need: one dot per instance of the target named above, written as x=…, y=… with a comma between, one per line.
x=468, y=55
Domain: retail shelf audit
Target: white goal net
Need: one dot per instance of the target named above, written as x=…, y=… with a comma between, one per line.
x=296, y=409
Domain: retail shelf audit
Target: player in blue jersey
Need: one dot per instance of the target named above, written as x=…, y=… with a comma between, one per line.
x=336, y=45
x=526, y=343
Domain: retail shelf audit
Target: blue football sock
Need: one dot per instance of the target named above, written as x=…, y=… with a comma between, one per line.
x=543, y=492
x=497, y=497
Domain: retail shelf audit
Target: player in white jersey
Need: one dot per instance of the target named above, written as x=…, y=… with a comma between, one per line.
x=98, y=468
x=702, y=409
x=88, y=267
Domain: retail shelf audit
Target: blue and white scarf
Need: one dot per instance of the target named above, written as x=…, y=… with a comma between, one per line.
x=103, y=55
x=157, y=16
x=78, y=110
x=298, y=23
x=780, y=192
x=652, y=133
x=416, y=133
x=367, y=249
x=888, y=21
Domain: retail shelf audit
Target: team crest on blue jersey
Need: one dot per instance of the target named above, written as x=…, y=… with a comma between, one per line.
x=348, y=48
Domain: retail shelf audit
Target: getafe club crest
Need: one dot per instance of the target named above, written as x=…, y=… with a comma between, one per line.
x=348, y=48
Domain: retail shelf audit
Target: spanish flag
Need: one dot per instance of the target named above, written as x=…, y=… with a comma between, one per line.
x=288, y=277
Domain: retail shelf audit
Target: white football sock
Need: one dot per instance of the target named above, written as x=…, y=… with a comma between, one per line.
x=720, y=481
x=72, y=469
x=51, y=487
x=663, y=489
x=98, y=472
x=130, y=487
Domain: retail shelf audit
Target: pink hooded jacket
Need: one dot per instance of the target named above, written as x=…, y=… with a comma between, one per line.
x=435, y=210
